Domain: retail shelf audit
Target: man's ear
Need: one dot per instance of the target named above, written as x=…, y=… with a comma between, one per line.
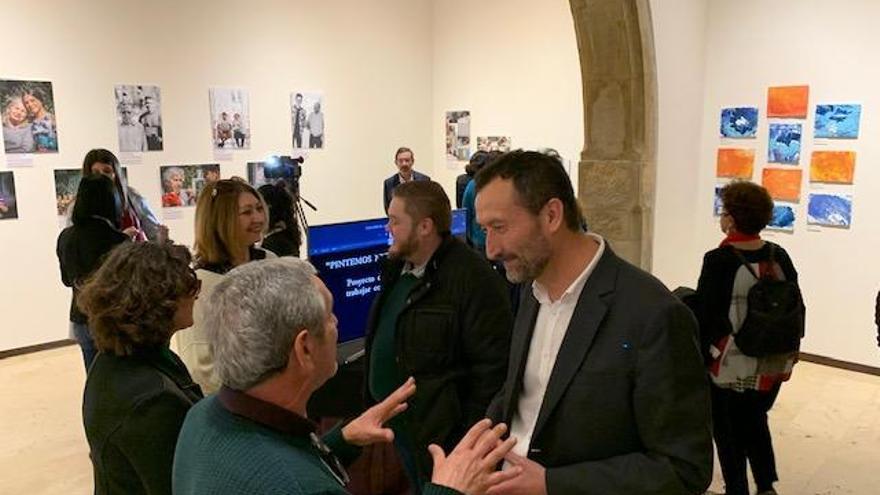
x=553, y=214
x=302, y=352
x=426, y=226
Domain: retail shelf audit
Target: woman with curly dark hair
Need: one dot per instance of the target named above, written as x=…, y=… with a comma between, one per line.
x=137, y=391
x=744, y=387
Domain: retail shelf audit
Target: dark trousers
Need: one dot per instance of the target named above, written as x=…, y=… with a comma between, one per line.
x=86, y=344
x=742, y=434
x=316, y=141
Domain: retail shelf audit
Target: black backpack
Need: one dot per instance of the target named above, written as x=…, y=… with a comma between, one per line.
x=774, y=322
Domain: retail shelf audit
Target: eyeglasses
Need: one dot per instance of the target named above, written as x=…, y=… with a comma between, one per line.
x=196, y=284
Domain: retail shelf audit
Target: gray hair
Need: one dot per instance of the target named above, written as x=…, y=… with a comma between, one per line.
x=172, y=171
x=256, y=313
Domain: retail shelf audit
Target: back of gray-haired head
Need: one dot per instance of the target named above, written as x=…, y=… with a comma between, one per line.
x=254, y=315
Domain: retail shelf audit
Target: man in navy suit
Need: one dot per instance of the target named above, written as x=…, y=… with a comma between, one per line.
x=404, y=159
x=605, y=392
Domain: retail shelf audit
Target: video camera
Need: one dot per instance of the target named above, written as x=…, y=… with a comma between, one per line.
x=285, y=168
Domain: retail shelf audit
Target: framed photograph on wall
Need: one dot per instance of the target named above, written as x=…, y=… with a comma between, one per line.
x=182, y=184
x=139, y=117
x=230, y=118
x=28, y=117
x=307, y=120
x=8, y=199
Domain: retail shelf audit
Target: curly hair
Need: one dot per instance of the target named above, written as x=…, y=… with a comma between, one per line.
x=749, y=204
x=132, y=298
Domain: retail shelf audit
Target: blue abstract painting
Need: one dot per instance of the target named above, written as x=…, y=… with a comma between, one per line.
x=739, y=122
x=834, y=210
x=785, y=143
x=837, y=121
x=717, y=205
x=783, y=217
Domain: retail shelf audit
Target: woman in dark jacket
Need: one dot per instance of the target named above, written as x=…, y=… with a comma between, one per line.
x=138, y=391
x=743, y=387
x=81, y=247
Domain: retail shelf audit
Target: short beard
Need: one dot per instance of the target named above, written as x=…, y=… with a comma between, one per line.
x=534, y=259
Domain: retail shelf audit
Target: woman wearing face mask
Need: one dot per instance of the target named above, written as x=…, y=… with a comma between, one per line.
x=230, y=220
x=744, y=387
x=135, y=212
x=94, y=233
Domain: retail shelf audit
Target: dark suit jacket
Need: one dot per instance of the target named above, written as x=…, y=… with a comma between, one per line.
x=394, y=181
x=627, y=406
x=133, y=408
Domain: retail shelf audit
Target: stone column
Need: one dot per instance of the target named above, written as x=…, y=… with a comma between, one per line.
x=617, y=166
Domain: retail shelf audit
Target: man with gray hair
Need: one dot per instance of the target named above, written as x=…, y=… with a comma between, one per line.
x=274, y=334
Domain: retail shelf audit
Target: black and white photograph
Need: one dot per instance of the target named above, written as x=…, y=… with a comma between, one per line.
x=458, y=136
x=139, y=117
x=8, y=201
x=230, y=118
x=182, y=184
x=28, y=117
x=307, y=120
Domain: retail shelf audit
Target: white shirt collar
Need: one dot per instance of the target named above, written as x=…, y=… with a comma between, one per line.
x=577, y=286
x=416, y=271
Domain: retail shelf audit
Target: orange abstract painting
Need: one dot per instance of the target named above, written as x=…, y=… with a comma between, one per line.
x=783, y=184
x=836, y=167
x=788, y=101
x=736, y=163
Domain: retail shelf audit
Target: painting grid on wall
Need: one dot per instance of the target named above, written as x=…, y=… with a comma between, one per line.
x=735, y=163
x=181, y=184
x=830, y=210
x=837, y=121
x=788, y=101
x=307, y=120
x=139, y=117
x=230, y=118
x=784, y=145
x=8, y=199
x=493, y=143
x=783, y=184
x=28, y=117
x=458, y=135
x=833, y=167
x=783, y=217
x=739, y=122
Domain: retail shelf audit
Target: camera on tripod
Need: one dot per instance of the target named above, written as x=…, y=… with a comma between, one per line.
x=286, y=168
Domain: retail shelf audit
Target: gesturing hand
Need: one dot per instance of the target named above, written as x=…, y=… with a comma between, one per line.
x=368, y=428
x=530, y=481
x=471, y=466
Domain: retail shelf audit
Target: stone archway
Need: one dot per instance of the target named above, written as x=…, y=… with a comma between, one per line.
x=617, y=167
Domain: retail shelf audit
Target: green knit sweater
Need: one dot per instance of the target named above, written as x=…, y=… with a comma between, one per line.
x=219, y=452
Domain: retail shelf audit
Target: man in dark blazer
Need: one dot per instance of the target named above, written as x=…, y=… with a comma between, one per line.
x=404, y=159
x=606, y=391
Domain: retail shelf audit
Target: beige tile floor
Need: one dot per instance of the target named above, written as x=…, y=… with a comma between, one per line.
x=826, y=428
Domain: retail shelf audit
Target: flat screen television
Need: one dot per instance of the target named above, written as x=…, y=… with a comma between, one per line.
x=348, y=257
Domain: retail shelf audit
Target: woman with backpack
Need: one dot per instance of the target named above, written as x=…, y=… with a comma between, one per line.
x=751, y=321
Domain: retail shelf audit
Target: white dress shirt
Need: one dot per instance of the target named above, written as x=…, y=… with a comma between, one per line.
x=550, y=329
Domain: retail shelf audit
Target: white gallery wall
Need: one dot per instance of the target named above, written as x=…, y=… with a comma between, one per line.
x=514, y=64
x=371, y=59
x=750, y=45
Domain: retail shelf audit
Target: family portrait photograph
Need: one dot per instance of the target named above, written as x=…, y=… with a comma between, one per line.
x=28, y=117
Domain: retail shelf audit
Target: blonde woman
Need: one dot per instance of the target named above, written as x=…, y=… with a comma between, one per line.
x=230, y=220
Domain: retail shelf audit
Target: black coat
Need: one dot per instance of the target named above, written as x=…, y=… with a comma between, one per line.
x=392, y=182
x=453, y=337
x=80, y=250
x=626, y=409
x=133, y=408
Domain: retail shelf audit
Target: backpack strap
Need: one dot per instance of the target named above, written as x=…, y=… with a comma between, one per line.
x=745, y=262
